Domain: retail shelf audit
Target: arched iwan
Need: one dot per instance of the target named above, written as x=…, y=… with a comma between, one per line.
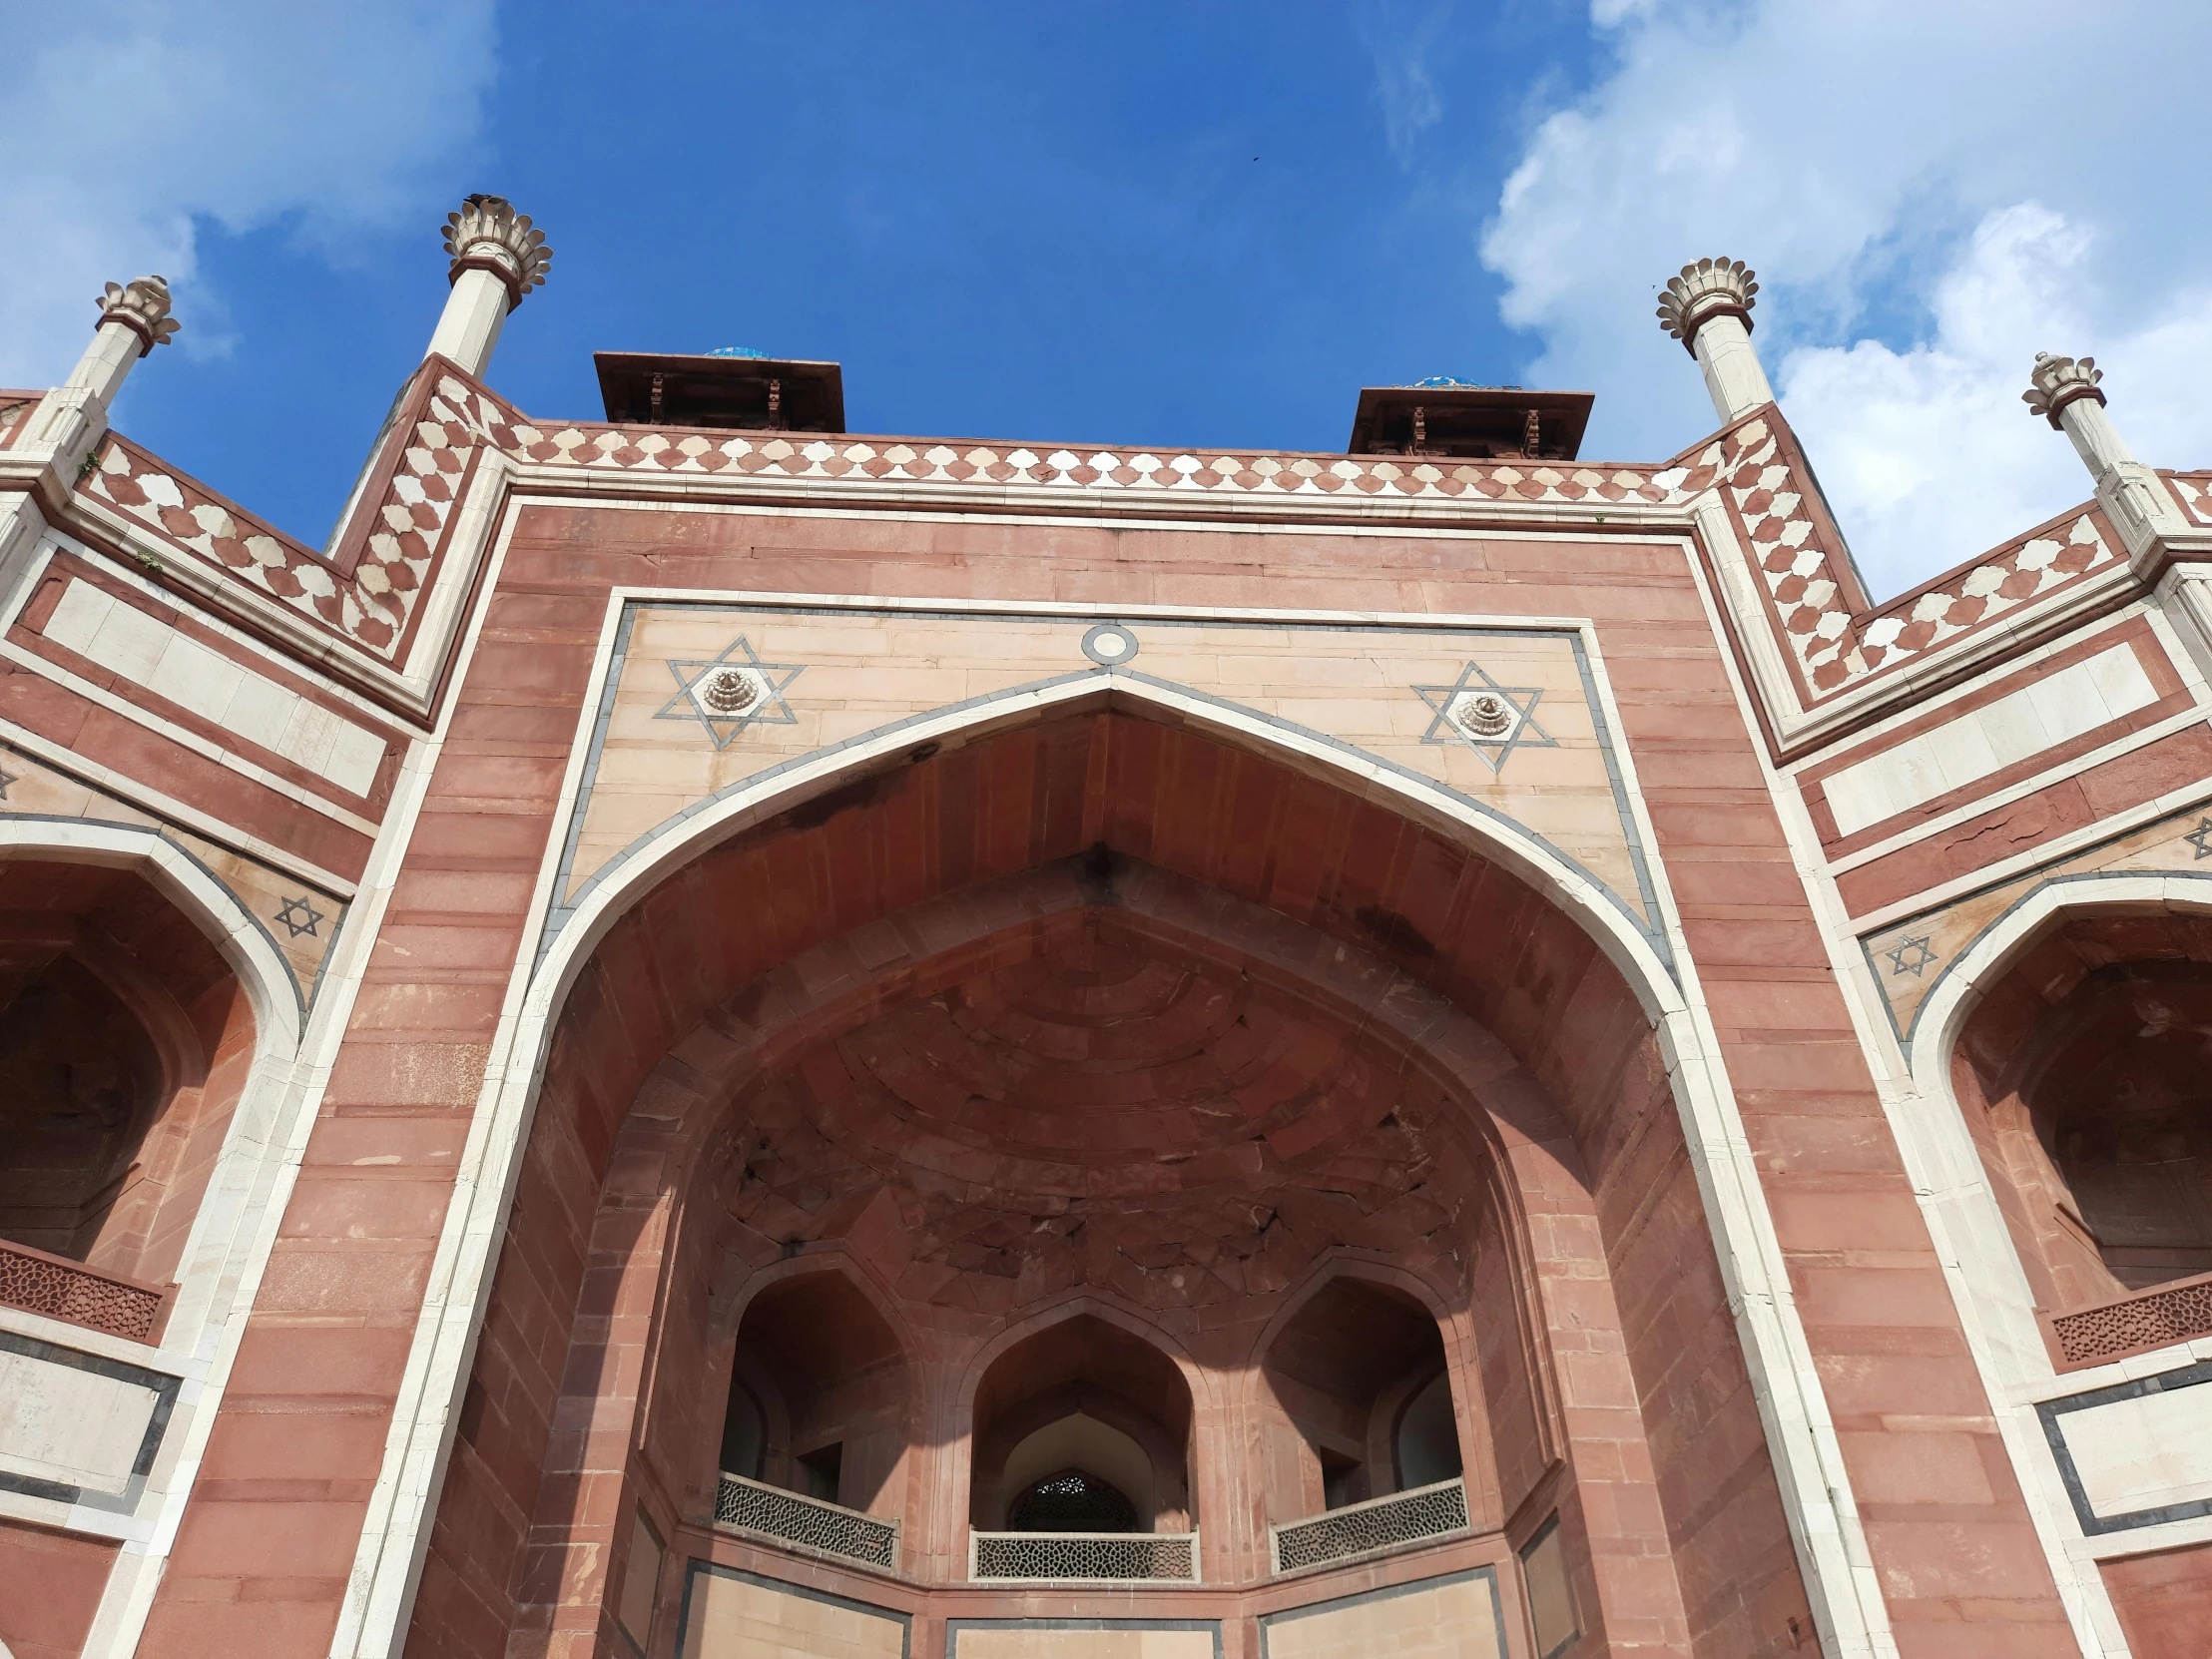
x=1806, y=1458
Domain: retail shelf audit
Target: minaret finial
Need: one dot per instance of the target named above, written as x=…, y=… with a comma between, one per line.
x=488, y=235
x=1708, y=309
x=71, y=419
x=1704, y=291
x=141, y=305
x=2065, y=391
x=498, y=256
x=2056, y=382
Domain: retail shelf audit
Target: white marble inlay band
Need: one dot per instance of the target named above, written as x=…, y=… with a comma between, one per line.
x=1987, y=739
x=150, y=652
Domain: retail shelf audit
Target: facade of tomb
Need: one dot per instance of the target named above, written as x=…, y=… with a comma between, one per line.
x=709, y=1037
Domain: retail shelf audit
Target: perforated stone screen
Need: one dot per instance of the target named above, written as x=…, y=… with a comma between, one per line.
x=806, y=1521
x=1156, y=1556
x=2152, y=1318
x=40, y=1284
x=1380, y=1524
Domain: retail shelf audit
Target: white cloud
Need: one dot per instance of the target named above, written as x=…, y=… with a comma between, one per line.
x=1400, y=47
x=1931, y=194
x=129, y=123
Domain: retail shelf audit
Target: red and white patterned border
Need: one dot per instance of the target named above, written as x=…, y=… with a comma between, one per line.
x=2194, y=491
x=1808, y=581
x=367, y=592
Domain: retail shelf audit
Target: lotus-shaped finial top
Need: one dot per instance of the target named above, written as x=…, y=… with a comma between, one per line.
x=2056, y=382
x=142, y=306
x=1704, y=291
x=488, y=235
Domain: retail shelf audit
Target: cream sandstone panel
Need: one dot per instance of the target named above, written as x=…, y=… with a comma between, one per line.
x=1042, y=1642
x=2149, y=1452
x=71, y=1426
x=2047, y=711
x=149, y=652
x=1453, y=1620
x=737, y=1618
x=839, y=676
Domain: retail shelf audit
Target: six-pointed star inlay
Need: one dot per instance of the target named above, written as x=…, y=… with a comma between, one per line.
x=1913, y=957
x=301, y=917
x=734, y=690
x=1491, y=719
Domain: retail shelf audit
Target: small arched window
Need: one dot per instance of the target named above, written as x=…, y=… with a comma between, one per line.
x=1072, y=1501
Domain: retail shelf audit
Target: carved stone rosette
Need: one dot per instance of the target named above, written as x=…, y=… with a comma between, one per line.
x=1704, y=291
x=140, y=306
x=488, y=235
x=2056, y=382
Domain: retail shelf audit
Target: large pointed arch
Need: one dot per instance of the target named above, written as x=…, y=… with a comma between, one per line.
x=1815, y=1489
x=252, y=1146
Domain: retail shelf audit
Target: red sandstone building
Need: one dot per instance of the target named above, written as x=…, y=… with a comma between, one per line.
x=709, y=1037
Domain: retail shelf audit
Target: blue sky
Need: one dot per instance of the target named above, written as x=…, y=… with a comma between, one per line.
x=1168, y=225
x=1165, y=224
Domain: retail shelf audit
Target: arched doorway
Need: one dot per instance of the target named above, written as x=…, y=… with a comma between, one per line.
x=150, y=1103
x=1099, y=1008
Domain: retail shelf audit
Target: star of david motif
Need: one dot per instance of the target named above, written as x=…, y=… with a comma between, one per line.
x=10, y=778
x=734, y=690
x=301, y=917
x=1913, y=957
x=2200, y=837
x=1491, y=719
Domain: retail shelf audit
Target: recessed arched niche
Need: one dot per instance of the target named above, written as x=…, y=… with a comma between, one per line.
x=124, y=1041
x=79, y=1083
x=819, y=1393
x=1358, y=1372
x=1071, y=1418
x=2083, y=1071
